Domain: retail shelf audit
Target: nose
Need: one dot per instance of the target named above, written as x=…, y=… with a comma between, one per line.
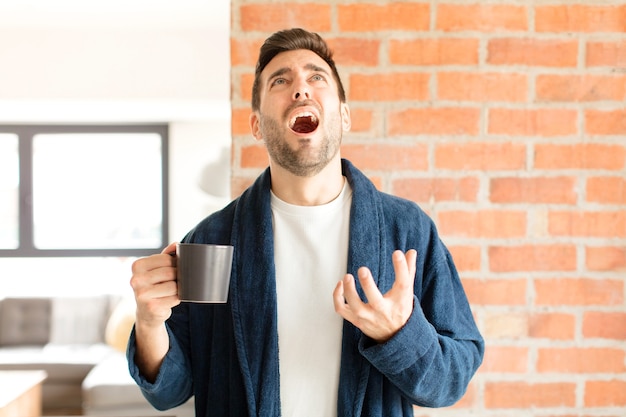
x=301, y=91
x=301, y=95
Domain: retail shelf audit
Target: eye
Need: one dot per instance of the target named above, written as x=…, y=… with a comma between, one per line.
x=317, y=77
x=278, y=81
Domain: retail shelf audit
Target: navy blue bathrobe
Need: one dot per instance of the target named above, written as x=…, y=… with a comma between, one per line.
x=227, y=355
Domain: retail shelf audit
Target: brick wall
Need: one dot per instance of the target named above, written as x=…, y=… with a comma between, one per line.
x=506, y=121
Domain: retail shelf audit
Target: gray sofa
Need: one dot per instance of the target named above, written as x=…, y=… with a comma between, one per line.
x=77, y=342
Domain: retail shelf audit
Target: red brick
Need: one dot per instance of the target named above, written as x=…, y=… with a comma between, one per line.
x=437, y=189
x=581, y=88
x=587, y=223
x=269, y=17
x=378, y=181
x=578, y=292
x=466, y=258
x=492, y=224
x=240, y=121
x=540, y=190
x=254, y=156
x=533, y=52
x=606, y=54
x=244, y=51
x=605, y=122
x=605, y=258
x=581, y=360
x=506, y=394
x=611, y=393
x=355, y=51
x=505, y=325
x=598, y=324
x=468, y=399
x=366, y=17
x=540, y=122
x=580, y=156
x=481, y=17
x=389, y=86
x=555, y=326
x=437, y=121
x=246, y=86
x=387, y=157
x=238, y=184
x=505, y=359
x=496, y=291
x=480, y=156
x=434, y=51
x=532, y=258
x=362, y=119
x=580, y=18
x=606, y=190
x=482, y=87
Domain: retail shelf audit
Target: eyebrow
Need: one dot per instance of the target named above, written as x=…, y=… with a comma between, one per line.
x=284, y=70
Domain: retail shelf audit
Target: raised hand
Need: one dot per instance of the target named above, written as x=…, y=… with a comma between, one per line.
x=382, y=315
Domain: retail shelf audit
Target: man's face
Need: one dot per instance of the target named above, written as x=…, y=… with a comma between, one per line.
x=301, y=118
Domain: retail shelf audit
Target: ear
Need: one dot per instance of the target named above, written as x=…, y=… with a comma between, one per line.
x=255, y=126
x=346, y=121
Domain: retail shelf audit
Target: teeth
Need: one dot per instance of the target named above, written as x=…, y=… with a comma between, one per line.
x=292, y=122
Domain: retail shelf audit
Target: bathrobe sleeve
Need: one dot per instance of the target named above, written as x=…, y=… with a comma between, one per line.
x=173, y=385
x=433, y=357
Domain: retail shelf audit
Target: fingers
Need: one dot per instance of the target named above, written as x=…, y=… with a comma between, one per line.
x=170, y=249
x=404, y=268
x=350, y=294
x=338, y=300
x=346, y=299
x=411, y=260
x=372, y=293
x=154, y=285
x=404, y=265
x=381, y=316
x=153, y=269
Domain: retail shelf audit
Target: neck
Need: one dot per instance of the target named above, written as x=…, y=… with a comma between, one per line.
x=316, y=190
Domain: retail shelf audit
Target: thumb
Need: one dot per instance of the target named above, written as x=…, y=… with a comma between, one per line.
x=170, y=249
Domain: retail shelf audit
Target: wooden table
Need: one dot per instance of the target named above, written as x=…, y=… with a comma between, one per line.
x=20, y=393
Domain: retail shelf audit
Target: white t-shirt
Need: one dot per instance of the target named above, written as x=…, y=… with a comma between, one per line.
x=311, y=256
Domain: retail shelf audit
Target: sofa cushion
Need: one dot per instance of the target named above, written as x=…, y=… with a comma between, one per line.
x=110, y=390
x=79, y=320
x=110, y=384
x=25, y=321
x=61, y=363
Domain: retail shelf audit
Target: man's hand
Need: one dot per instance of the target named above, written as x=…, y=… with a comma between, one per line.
x=383, y=315
x=154, y=285
x=156, y=292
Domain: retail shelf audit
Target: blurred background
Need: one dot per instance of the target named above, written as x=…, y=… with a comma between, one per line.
x=118, y=63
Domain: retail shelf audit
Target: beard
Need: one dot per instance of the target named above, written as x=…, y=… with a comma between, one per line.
x=306, y=159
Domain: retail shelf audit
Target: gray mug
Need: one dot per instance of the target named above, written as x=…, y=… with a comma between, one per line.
x=203, y=272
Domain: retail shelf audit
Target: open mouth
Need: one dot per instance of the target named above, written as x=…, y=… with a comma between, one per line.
x=305, y=122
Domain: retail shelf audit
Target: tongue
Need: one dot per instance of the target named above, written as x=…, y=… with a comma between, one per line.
x=304, y=125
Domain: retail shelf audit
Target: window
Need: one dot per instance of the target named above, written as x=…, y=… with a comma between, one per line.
x=9, y=183
x=83, y=190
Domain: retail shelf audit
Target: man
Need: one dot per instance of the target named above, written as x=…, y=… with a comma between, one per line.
x=299, y=336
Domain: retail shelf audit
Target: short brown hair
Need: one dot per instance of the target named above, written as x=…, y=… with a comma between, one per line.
x=291, y=40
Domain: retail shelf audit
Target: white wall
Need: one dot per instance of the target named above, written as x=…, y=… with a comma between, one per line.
x=121, y=61
x=136, y=61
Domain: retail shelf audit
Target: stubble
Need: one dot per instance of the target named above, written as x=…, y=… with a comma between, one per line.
x=303, y=159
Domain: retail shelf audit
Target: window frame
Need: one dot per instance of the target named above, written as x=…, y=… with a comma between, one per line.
x=26, y=133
